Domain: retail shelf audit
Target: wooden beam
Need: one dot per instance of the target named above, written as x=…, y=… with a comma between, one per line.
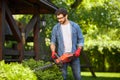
x=30, y=10
x=11, y=52
x=29, y=54
x=36, y=38
x=33, y=1
x=2, y=23
x=11, y=38
x=30, y=26
x=32, y=7
x=12, y=24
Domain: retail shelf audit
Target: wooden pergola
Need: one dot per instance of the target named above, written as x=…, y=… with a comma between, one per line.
x=12, y=7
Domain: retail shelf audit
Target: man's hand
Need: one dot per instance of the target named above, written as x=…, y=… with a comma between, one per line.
x=77, y=52
x=53, y=55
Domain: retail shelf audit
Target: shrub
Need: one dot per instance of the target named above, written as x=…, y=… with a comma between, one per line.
x=104, y=55
x=52, y=73
x=15, y=71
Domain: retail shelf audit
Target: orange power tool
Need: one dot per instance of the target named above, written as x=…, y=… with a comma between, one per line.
x=66, y=57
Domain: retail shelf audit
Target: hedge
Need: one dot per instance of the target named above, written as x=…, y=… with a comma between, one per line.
x=104, y=55
x=15, y=71
x=51, y=73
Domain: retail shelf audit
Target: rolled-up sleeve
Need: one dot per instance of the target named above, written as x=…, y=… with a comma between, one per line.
x=80, y=36
x=53, y=36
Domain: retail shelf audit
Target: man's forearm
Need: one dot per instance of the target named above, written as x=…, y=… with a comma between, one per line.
x=79, y=47
x=52, y=47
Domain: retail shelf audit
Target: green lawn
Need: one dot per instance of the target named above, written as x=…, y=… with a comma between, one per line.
x=101, y=76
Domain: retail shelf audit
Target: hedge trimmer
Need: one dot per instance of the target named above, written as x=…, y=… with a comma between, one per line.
x=59, y=61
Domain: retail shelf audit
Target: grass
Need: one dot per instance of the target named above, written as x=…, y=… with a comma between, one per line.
x=99, y=76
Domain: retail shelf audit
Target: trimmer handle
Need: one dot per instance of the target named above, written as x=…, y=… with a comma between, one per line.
x=57, y=55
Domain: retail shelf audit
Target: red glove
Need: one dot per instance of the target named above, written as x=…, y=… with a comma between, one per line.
x=53, y=55
x=77, y=52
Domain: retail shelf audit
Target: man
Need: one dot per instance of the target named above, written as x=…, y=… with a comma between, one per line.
x=67, y=37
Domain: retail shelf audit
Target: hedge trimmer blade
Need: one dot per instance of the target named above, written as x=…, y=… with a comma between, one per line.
x=66, y=57
x=44, y=67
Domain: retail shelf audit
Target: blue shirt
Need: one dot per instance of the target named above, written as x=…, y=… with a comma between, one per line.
x=57, y=37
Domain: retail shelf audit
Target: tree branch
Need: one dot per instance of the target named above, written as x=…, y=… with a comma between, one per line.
x=76, y=3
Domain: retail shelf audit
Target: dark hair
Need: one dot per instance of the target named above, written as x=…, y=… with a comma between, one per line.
x=61, y=11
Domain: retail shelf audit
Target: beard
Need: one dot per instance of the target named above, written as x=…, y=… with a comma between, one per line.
x=62, y=22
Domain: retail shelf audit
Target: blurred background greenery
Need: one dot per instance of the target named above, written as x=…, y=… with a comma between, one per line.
x=100, y=24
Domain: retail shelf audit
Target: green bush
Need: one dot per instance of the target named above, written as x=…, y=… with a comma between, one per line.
x=52, y=73
x=15, y=71
x=104, y=55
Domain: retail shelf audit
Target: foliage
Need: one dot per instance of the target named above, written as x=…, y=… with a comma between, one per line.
x=24, y=19
x=15, y=71
x=104, y=56
x=100, y=24
x=52, y=73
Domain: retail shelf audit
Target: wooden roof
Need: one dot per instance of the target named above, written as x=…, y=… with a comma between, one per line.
x=31, y=6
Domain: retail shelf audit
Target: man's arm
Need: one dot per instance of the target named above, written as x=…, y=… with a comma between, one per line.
x=52, y=47
x=80, y=47
x=80, y=42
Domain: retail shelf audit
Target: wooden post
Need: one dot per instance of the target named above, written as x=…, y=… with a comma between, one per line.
x=20, y=50
x=2, y=24
x=36, y=38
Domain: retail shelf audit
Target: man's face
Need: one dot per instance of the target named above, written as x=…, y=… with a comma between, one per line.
x=61, y=18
